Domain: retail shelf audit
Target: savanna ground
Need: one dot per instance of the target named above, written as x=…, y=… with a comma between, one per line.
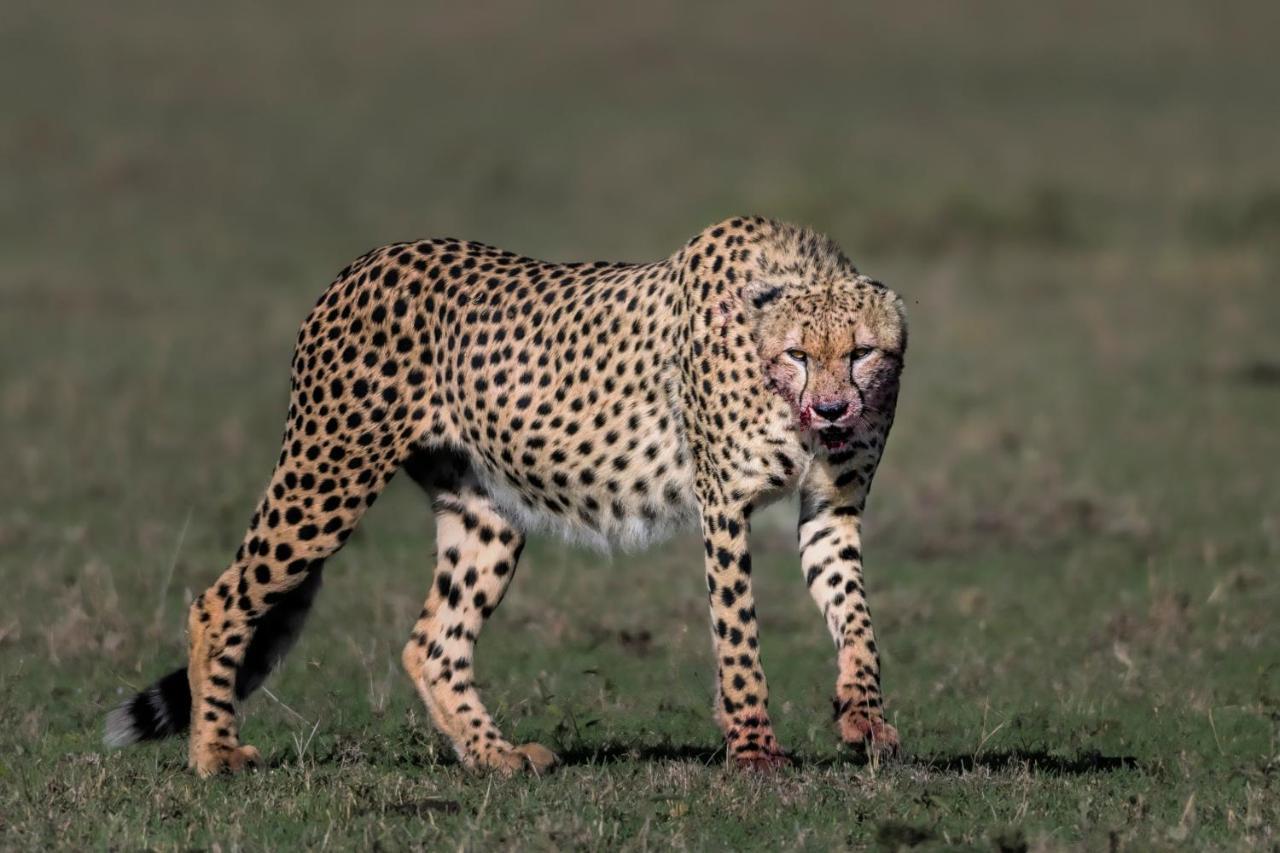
x=1074, y=537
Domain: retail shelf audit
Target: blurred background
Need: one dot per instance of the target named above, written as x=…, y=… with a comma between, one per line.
x=1076, y=527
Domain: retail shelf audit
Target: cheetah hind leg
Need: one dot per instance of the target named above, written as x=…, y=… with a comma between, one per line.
x=241, y=627
x=477, y=553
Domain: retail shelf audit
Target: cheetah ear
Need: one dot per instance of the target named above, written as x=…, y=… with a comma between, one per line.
x=901, y=308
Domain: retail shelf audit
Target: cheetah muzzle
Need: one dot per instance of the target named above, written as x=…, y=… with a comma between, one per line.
x=611, y=403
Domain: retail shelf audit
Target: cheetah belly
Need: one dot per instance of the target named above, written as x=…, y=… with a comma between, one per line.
x=622, y=477
x=608, y=512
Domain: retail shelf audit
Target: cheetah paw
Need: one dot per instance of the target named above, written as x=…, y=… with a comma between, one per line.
x=227, y=760
x=530, y=757
x=874, y=735
x=762, y=762
x=537, y=757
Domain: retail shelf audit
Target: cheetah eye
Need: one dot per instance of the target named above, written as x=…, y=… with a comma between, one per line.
x=798, y=355
x=861, y=353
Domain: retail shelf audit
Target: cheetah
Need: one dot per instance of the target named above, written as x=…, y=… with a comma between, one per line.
x=610, y=403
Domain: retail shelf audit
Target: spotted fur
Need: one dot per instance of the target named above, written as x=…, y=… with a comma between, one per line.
x=610, y=403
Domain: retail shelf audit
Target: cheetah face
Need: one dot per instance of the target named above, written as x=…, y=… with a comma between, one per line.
x=834, y=353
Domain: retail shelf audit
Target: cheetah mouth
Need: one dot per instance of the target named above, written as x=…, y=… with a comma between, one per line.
x=835, y=438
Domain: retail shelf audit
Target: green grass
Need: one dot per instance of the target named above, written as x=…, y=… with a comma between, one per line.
x=1073, y=542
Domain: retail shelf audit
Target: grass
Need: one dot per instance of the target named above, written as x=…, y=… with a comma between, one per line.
x=1073, y=541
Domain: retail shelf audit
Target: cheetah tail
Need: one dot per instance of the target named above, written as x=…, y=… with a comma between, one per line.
x=162, y=710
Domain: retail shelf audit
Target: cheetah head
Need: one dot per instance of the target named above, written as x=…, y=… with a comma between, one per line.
x=833, y=349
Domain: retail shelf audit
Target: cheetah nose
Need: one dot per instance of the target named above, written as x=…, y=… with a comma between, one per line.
x=831, y=411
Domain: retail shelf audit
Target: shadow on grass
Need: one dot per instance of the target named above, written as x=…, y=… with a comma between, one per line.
x=414, y=752
x=1035, y=761
x=620, y=753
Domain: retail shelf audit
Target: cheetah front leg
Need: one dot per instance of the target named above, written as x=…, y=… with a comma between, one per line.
x=742, y=695
x=477, y=551
x=830, y=533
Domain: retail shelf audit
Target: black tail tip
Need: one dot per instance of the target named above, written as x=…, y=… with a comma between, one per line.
x=160, y=711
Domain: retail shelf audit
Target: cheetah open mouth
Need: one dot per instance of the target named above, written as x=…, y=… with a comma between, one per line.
x=834, y=438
